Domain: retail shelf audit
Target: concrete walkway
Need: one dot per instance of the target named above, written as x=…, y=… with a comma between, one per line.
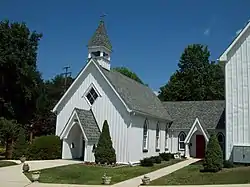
x=156, y=174
x=12, y=176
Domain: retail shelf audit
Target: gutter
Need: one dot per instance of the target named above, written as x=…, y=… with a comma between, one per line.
x=146, y=114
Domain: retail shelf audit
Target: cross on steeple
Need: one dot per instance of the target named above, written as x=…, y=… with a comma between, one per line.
x=103, y=16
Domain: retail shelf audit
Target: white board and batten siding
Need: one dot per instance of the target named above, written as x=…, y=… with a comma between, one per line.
x=237, y=82
x=135, y=140
x=106, y=107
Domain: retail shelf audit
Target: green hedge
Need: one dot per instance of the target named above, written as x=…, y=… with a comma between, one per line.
x=166, y=156
x=147, y=162
x=45, y=148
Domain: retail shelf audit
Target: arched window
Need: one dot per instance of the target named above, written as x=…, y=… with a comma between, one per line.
x=181, y=139
x=221, y=140
x=157, y=145
x=166, y=137
x=145, y=135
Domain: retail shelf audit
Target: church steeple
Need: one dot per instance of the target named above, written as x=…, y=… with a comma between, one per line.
x=99, y=46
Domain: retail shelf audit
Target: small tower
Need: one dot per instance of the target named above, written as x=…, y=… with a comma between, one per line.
x=99, y=46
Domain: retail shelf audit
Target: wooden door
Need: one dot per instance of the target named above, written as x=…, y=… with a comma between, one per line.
x=200, y=146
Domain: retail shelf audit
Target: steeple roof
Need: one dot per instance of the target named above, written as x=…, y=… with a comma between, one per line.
x=100, y=37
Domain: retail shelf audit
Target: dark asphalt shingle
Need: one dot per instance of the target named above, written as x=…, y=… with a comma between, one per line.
x=211, y=114
x=89, y=124
x=100, y=37
x=137, y=96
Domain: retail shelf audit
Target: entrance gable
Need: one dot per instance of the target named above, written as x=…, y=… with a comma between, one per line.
x=73, y=120
x=196, y=126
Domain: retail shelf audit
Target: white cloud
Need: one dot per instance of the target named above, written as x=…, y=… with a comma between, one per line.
x=207, y=32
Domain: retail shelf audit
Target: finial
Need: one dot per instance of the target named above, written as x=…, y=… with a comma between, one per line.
x=103, y=16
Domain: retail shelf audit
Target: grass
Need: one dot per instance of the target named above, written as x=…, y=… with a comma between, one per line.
x=191, y=175
x=83, y=174
x=6, y=163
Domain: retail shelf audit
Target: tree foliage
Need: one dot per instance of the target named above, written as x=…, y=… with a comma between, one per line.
x=20, y=146
x=44, y=121
x=9, y=130
x=213, y=160
x=196, y=78
x=45, y=148
x=125, y=71
x=105, y=153
x=19, y=78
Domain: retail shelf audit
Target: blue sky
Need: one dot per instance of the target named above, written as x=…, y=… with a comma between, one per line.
x=147, y=36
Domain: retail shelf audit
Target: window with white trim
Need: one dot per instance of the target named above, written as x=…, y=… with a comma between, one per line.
x=145, y=135
x=166, y=137
x=92, y=96
x=181, y=139
x=157, y=145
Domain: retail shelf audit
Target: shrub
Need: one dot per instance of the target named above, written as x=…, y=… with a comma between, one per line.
x=213, y=160
x=21, y=145
x=156, y=159
x=147, y=162
x=104, y=152
x=45, y=148
x=166, y=156
x=228, y=164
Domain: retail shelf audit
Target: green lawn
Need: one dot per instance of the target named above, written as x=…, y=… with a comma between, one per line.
x=82, y=174
x=191, y=175
x=6, y=163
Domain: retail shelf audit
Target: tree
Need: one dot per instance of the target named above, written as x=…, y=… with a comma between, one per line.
x=9, y=130
x=104, y=152
x=20, y=146
x=213, y=160
x=196, y=78
x=19, y=78
x=125, y=71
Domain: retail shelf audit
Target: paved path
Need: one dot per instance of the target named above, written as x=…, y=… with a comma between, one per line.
x=12, y=176
x=156, y=174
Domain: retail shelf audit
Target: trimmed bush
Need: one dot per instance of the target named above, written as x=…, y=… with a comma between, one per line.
x=45, y=148
x=166, y=156
x=213, y=160
x=147, y=162
x=104, y=152
x=20, y=146
x=228, y=164
x=156, y=159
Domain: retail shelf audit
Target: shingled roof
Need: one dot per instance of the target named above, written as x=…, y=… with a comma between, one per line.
x=137, y=96
x=100, y=37
x=211, y=114
x=88, y=124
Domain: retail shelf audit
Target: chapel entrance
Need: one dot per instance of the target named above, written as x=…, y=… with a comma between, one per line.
x=200, y=146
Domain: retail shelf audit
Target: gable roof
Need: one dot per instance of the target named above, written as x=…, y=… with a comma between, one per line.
x=100, y=37
x=137, y=96
x=211, y=114
x=89, y=124
x=223, y=56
